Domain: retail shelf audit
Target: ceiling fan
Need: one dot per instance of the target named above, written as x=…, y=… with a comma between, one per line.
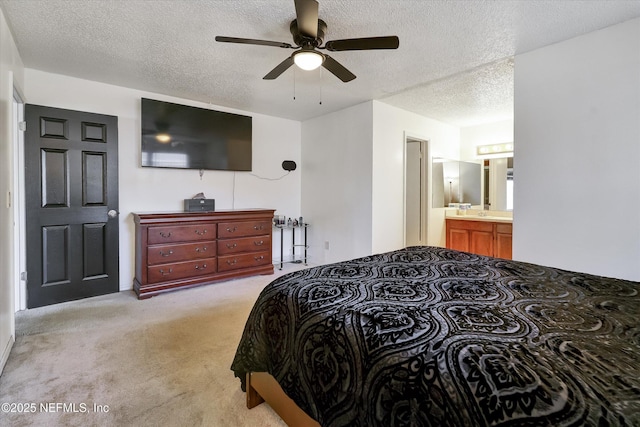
x=308, y=34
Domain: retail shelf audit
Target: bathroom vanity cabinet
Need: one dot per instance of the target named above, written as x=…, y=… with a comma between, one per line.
x=480, y=237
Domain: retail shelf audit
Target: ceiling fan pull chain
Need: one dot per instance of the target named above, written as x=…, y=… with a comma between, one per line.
x=320, y=85
x=294, y=84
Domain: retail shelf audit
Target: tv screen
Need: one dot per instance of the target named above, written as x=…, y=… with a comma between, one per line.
x=179, y=136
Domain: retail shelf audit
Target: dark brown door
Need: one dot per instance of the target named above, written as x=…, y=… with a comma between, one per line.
x=71, y=198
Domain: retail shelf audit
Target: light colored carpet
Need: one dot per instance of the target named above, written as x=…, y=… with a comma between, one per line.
x=163, y=361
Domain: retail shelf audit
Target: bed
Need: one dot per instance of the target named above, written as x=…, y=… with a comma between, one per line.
x=429, y=336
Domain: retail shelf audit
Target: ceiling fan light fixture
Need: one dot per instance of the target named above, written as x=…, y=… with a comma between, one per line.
x=308, y=35
x=163, y=137
x=308, y=59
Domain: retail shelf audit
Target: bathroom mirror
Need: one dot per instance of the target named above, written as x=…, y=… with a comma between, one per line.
x=498, y=184
x=454, y=181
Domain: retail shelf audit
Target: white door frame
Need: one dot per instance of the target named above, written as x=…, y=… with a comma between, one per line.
x=18, y=205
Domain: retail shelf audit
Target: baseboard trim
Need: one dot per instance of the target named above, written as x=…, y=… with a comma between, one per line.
x=5, y=353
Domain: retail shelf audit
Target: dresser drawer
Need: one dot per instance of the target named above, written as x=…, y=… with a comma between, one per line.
x=233, y=262
x=244, y=244
x=181, y=270
x=181, y=233
x=164, y=254
x=227, y=230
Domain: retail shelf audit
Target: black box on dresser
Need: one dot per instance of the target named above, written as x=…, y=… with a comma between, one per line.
x=199, y=205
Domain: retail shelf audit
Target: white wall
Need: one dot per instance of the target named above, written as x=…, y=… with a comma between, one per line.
x=390, y=124
x=150, y=189
x=577, y=153
x=353, y=178
x=336, y=183
x=11, y=74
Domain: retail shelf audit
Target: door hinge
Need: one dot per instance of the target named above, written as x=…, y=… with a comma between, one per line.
x=23, y=276
x=22, y=126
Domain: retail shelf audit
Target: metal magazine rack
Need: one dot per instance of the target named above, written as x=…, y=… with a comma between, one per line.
x=295, y=258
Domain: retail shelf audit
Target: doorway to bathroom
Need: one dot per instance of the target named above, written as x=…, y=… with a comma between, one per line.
x=415, y=201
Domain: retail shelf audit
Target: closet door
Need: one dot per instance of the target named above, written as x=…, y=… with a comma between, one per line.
x=71, y=197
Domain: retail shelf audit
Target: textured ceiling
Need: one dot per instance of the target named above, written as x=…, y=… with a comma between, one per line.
x=454, y=62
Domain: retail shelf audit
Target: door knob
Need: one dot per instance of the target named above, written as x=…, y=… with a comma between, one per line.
x=112, y=213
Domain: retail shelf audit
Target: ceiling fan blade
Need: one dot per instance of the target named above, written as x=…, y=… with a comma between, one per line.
x=252, y=41
x=365, y=43
x=307, y=17
x=280, y=68
x=337, y=69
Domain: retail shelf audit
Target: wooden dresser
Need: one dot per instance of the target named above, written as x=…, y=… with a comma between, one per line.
x=185, y=249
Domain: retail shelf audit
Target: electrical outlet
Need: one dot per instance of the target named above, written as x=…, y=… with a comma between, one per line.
x=326, y=245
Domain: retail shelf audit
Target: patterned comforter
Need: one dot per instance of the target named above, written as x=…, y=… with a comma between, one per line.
x=434, y=337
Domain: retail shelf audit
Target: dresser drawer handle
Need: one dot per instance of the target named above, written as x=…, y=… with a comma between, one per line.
x=229, y=262
x=165, y=254
x=231, y=230
x=204, y=249
x=258, y=227
x=201, y=233
x=166, y=273
x=259, y=258
x=166, y=236
x=204, y=266
x=260, y=243
x=231, y=246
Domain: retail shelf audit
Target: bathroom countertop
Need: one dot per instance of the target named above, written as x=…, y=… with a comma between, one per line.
x=485, y=218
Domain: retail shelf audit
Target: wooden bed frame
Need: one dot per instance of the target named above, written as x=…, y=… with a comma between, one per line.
x=263, y=387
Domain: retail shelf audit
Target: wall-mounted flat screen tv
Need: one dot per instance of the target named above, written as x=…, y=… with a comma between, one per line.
x=179, y=136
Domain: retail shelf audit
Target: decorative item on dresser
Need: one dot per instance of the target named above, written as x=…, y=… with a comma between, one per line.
x=185, y=249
